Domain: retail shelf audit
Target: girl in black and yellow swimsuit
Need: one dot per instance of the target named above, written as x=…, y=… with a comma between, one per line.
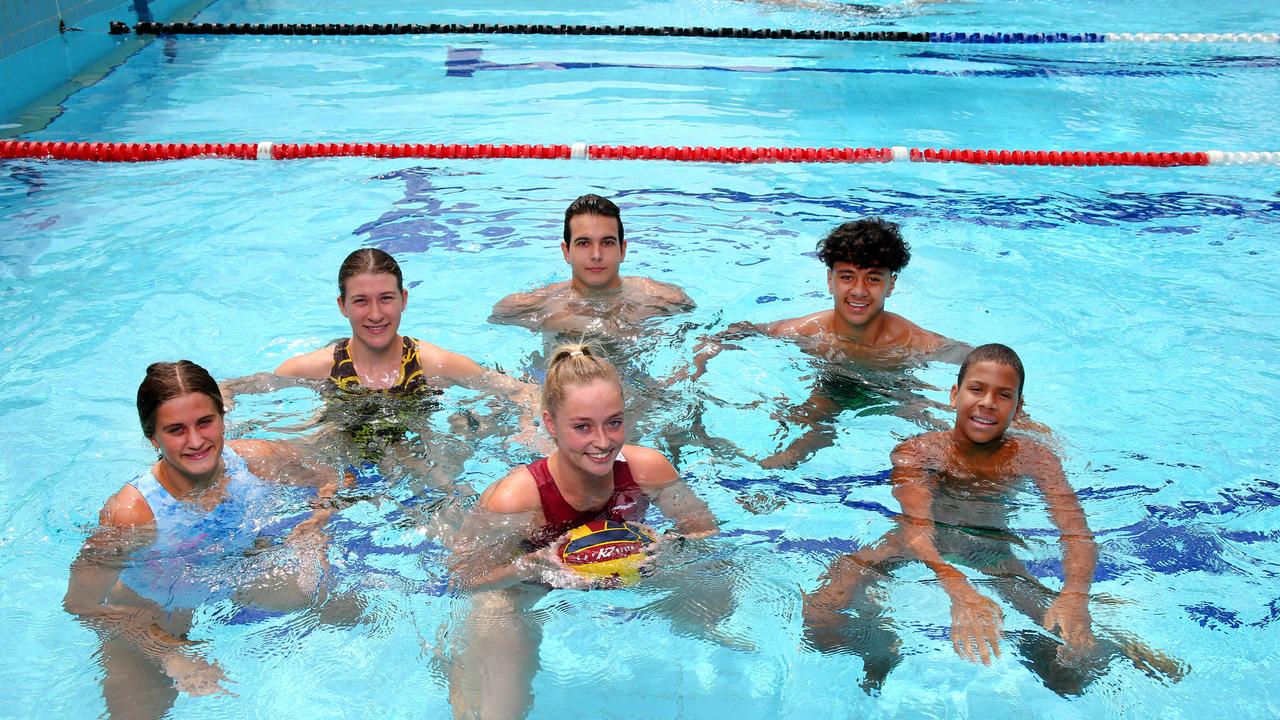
x=375, y=418
x=369, y=376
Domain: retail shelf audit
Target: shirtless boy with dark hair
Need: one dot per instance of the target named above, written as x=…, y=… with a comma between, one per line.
x=596, y=301
x=857, y=337
x=956, y=489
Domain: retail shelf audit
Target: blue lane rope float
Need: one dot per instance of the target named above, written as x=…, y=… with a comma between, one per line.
x=980, y=38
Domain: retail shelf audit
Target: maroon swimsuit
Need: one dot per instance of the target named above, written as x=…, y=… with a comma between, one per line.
x=628, y=503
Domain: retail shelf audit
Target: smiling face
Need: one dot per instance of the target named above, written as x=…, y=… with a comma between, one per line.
x=588, y=427
x=373, y=304
x=594, y=252
x=859, y=293
x=189, y=436
x=986, y=401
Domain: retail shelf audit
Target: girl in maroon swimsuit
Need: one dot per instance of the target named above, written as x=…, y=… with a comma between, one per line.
x=506, y=550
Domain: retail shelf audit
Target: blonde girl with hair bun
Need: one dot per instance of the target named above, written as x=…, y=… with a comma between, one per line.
x=505, y=552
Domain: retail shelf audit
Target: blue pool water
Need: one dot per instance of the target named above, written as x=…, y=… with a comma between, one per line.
x=1143, y=303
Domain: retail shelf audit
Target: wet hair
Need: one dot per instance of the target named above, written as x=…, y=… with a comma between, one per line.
x=997, y=353
x=590, y=204
x=573, y=365
x=368, y=260
x=867, y=243
x=168, y=380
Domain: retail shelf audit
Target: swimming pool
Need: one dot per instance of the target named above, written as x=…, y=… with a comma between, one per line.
x=1142, y=301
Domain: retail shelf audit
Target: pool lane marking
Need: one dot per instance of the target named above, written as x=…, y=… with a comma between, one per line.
x=465, y=62
x=985, y=38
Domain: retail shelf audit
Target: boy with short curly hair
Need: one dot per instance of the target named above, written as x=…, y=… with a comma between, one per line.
x=856, y=335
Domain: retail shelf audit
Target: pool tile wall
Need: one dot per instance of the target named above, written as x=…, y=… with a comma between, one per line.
x=40, y=64
x=24, y=23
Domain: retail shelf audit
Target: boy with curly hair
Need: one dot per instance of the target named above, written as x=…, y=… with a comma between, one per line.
x=857, y=336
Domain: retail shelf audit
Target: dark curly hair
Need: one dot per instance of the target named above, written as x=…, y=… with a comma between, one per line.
x=866, y=243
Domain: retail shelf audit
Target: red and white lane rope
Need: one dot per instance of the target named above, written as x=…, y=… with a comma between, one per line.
x=146, y=152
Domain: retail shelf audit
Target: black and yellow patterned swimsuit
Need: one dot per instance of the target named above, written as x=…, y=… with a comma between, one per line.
x=377, y=418
x=343, y=376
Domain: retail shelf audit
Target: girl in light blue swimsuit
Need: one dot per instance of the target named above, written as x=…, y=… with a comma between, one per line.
x=184, y=531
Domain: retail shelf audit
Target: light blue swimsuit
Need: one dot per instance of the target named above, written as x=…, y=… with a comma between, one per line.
x=198, y=555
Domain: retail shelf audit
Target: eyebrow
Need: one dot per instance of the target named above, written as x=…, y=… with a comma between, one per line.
x=582, y=418
x=1010, y=388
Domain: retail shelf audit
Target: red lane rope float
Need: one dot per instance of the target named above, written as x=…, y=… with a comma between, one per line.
x=144, y=152
x=1071, y=158
x=738, y=154
x=292, y=151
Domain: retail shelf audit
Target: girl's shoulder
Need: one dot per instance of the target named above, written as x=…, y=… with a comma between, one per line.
x=648, y=466
x=127, y=508
x=314, y=365
x=515, y=493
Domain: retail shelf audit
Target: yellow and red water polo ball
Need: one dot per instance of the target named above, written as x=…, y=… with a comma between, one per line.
x=606, y=549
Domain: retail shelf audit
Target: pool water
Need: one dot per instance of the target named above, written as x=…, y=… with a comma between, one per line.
x=1143, y=303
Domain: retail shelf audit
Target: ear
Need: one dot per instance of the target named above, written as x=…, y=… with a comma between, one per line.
x=831, y=288
x=888, y=287
x=404, y=298
x=622, y=251
x=564, y=249
x=546, y=423
x=342, y=307
x=955, y=389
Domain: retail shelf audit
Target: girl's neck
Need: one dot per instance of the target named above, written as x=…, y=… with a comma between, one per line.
x=576, y=485
x=181, y=485
x=375, y=365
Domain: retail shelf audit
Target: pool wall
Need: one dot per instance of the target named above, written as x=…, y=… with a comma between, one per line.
x=41, y=64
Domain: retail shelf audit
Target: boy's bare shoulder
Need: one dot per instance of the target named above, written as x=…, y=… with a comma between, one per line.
x=524, y=302
x=907, y=334
x=919, y=449
x=664, y=292
x=1031, y=453
x=805, y=326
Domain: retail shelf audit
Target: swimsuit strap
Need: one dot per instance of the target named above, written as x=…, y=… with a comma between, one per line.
x=241, y=482
x=164, y=507
x=622, y=478
x=171, y=514
x=555, y=509
x=343, y=376
x=411, y=377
